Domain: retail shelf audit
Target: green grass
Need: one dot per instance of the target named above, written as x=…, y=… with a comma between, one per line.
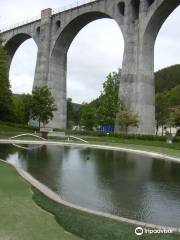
x=14, y=127
x=20, y=217
x=7, y=131
x=152, y=146
x=92, y=227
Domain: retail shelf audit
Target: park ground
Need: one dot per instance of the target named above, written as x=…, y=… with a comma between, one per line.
x=7, y=131
x=27, y=214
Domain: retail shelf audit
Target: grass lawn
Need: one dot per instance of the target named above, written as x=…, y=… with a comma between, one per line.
x=152, y=146
x=8, y=130
x=20, y=217
x=91, y=227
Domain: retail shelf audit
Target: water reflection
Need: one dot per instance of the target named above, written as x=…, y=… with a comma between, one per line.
x=124, y=184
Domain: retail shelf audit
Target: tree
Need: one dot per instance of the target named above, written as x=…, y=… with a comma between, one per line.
x=17, y=113
x=167, y=78
x=76, y=114
x=6, y=95
x=42, y=105
x=27, y=103
x=69, y=112
x=165, y=102
x=174, y=96
x=103, y=110
x=127, y=119
x=162, y=113
x=109, y=102
x=88, y=116
x=73, y=113
x=21, y=108
x=175, y=116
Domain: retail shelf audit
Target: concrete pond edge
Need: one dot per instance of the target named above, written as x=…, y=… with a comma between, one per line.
x=57, y=198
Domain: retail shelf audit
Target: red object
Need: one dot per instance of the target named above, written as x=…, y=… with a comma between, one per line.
x=44, y=135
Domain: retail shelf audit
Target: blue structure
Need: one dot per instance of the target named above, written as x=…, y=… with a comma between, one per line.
x=106, y=128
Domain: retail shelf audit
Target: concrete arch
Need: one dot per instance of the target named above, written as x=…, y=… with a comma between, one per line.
x=69, y=32
x=157, y=17
x=154, y=23
x=58, y=61
x=14, y=43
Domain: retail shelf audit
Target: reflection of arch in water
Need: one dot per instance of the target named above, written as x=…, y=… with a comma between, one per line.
x=27, y=148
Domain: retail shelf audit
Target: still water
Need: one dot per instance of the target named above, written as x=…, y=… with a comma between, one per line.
x=124, y=184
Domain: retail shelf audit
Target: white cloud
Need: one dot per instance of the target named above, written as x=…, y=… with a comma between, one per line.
x=21, y=83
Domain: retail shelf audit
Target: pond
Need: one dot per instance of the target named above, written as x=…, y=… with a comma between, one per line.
x=124, y=184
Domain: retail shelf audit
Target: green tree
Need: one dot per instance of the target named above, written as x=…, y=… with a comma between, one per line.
x=42, y=105
x=167, y=82
x=77, y=115
x=162, y=113
x=167, y=78
x=73, y=113
x=127, y=119
x=17, y=112
x=175, y=116
x=70, y=113
x=22, y=108
x=174, y=96
x=109, y=102
x=88, y=116
x=27, y=103
x=165, y=102
x=6, y=95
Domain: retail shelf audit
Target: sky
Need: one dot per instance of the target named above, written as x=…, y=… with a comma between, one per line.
x=95, y=51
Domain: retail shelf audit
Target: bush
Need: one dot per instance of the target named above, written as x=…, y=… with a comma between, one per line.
x=58, y=130
x=16, y=125
x=123, y=136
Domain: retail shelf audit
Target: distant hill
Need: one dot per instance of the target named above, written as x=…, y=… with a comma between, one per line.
x=76, y=106
x=167, y=78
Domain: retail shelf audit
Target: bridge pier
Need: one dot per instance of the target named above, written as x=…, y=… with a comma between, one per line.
x=57, y=84
x=51, y=70
x=137, y=88
x=43, y=32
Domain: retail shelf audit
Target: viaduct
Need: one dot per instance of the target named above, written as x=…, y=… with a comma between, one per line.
x=139, y=21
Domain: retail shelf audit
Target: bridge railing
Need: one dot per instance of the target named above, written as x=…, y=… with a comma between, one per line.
x=56, y=11
x=20, y=23
x=72, y=5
